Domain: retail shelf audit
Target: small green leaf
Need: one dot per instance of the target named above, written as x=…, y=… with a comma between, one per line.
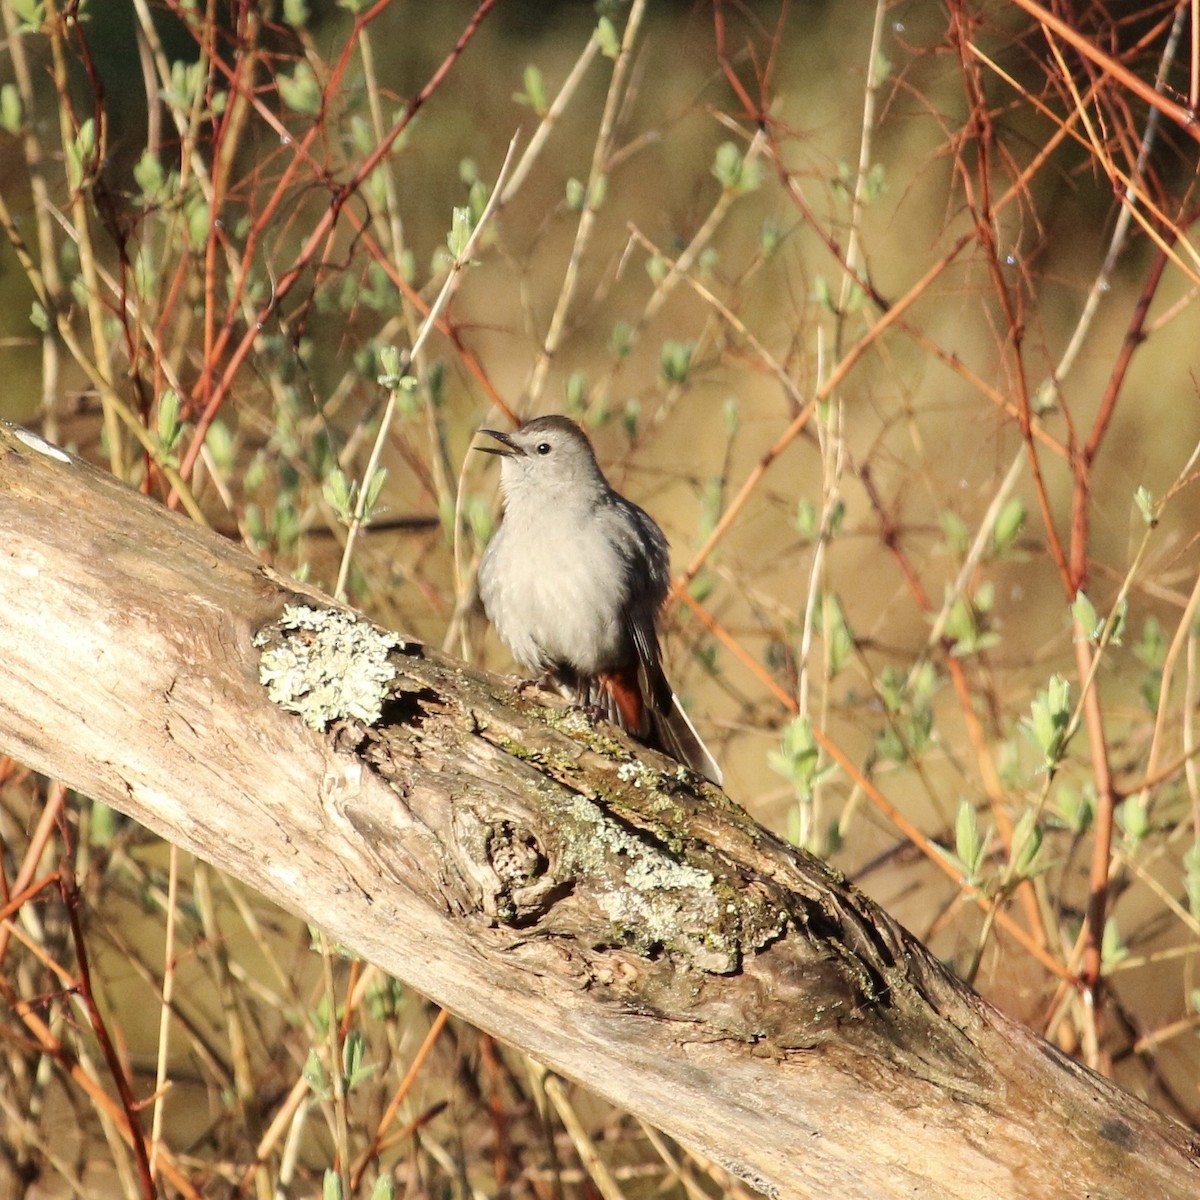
x=85, y=139
x=103, y=824
x=256, y=526
x=889, y=746
x=300, y=91
x=955, y=531
x=295, y=13
x=339, y=495
x=477, y=513
x=1083, y=612
x=1026, y=843
x=798, y=759
x=1008, y=525
x=880, y=69
x=1118, y=621
x=1075, y=809
x=839, y=639
x=187, y=82
x=733, y=172
x=854, y=299
x=1144, y=500
x=1112, y=949
x=701, y=588
x=892, y=681
x=460, y=232
x=315, y=1075
x=374, y=487
x=1050, y=715
x=391, y=367
x=675, y=359
x=79, y=153
x=731, y=416
x=354, y=1050
x=833, y=837
x=606, y=36
x=219, y=443
x=32, y=12
x=535, y=91
x=630, y=417
x=576, y=392
x=770, y=237
x=375, y=187
x=168, y=426
x=1151, y=650
x=969, y=846
x=710, y=507
x=150, y=177
x=384, y=1189
x=920, y=728
x=478, y=201
x=823, y=295
x=727, y=167
x=199, y=221
x=362, y=136
x=875, y=184
x=1191, y=878
x=355, y=1068
x=621, y=341
x=384, y=998
x=12, y=111
x=960, y=624
x=1134, y=819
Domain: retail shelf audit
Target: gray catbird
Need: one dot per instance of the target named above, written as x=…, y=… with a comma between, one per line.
x=574, y=580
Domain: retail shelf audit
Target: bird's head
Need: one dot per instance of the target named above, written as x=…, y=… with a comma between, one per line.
x=548, y=456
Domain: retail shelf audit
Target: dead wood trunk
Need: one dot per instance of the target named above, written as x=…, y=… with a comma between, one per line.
x=588, y=903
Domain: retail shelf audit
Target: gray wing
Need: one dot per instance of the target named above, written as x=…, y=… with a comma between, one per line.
x=647, y=558
x=647, y=561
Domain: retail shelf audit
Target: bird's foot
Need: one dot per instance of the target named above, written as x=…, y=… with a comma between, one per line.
x=542, y=683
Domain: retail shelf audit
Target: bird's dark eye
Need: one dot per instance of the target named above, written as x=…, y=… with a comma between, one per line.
x=543, y=447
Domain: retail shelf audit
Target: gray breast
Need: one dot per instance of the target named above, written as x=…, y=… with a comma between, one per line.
x=556, y=590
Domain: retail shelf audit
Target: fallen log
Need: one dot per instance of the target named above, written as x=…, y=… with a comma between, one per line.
x=581, y=898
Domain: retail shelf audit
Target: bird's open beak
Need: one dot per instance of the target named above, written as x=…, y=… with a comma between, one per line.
x=507, y=448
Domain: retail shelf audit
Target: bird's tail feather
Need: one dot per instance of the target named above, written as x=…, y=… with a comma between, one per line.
x=670, y=728
x=645, y=706
x=676, y=734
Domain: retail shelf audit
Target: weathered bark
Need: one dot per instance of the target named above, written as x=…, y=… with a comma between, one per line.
x=579, y=898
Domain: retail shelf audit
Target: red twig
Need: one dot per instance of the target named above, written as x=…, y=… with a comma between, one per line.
x=1184, y=118
x=340, y=195
x=83, y=988
x=51, y=810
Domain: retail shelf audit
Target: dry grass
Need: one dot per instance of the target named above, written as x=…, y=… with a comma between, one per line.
x=889, y=318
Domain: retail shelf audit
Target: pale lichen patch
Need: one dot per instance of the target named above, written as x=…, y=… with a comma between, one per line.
x=654, y=901
x=326, y=665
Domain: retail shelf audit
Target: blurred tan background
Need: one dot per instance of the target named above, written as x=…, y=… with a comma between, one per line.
x=965, y=165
